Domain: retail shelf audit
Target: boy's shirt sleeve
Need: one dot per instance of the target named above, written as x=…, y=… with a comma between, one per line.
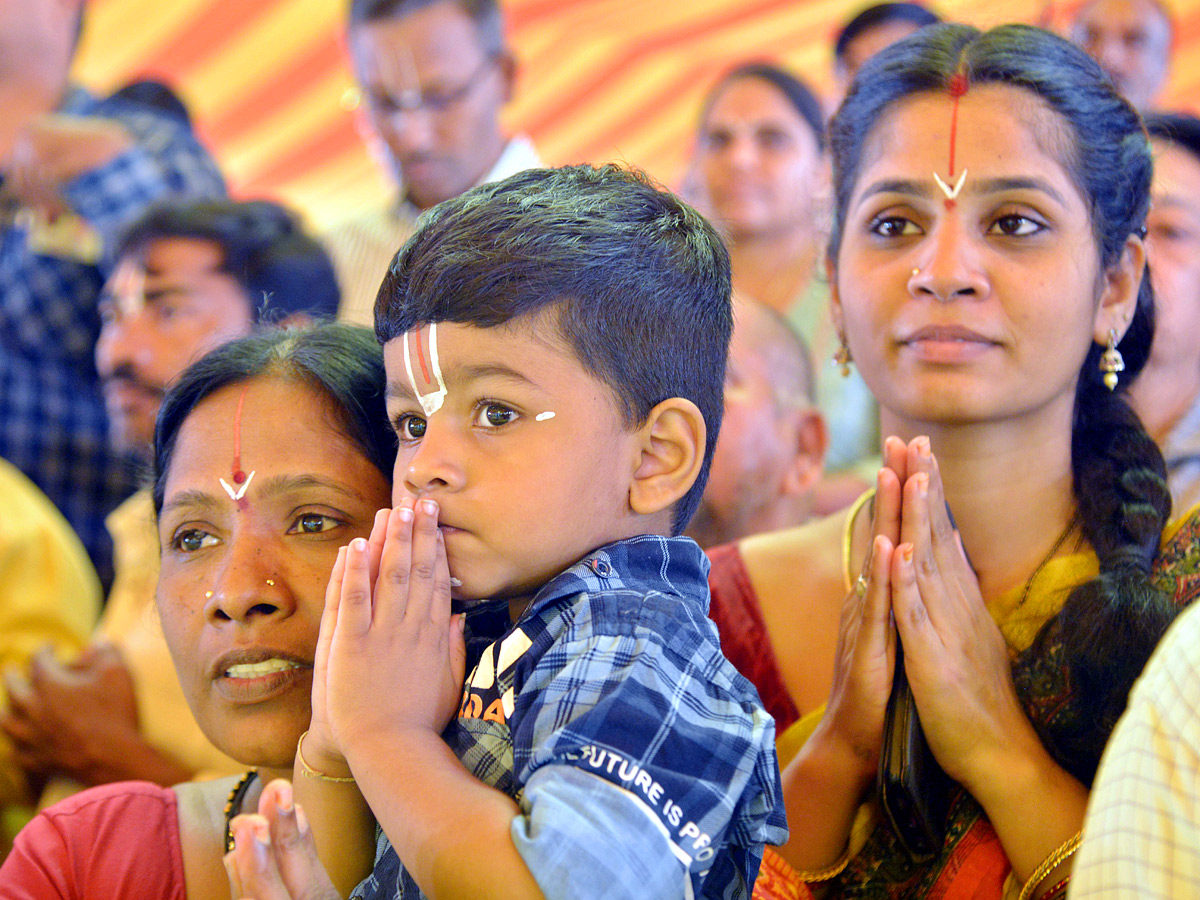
x=647, y=766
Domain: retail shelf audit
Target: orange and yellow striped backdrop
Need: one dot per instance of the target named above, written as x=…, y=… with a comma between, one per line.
x=600, y=79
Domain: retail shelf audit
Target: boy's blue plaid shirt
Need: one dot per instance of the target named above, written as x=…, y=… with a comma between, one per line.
x=643, y=762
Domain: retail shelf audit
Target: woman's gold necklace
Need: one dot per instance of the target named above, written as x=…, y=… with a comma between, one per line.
x=1062, y=539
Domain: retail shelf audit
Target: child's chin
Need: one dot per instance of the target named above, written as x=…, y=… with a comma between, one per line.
x=462, y=600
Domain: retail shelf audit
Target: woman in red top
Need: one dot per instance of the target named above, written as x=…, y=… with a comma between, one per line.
x=270, y=454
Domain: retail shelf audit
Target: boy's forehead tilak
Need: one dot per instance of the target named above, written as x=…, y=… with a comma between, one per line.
x=424, y=381
x=420, y=346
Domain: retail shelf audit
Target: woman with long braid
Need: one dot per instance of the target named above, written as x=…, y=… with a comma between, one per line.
x=987, y=272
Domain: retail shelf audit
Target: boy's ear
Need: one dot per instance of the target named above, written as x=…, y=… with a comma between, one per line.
x=671, y=453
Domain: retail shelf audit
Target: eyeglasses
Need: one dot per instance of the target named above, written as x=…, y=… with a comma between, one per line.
x=414, y=99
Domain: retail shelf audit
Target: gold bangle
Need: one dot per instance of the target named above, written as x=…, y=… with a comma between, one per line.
x=848, y=535
x=830, y=871
x=1051, y=862
x=313, y=773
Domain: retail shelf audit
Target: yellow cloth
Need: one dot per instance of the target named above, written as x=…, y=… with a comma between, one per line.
x=49, y=592
x=130, y=623
x=1018, y=621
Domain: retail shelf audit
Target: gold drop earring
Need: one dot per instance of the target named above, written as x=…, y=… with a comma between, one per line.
x=842, y=358
x=1111, y=361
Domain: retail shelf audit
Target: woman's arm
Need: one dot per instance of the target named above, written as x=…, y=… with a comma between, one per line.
x=826, y=782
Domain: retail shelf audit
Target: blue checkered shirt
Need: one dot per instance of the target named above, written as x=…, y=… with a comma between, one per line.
x=52, y=420
x=643, y=763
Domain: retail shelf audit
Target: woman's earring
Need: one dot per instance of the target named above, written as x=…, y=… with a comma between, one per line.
x=841, y=356
x=1111, y=361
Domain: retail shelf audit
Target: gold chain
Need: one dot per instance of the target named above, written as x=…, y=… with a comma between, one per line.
x=848, y=535
x=1062, y=539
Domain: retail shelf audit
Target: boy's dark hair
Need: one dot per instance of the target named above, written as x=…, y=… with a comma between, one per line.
x=263, y=247
x=795, y=91
x=486, y=14
x=1178, y=128
x=638, y=283
x=343, y=362
x=877, y=15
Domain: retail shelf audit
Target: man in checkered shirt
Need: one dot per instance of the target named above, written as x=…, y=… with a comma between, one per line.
x=76, y=170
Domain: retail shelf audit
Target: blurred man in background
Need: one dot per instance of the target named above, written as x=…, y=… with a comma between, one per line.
x=76, y=172
x=1131, y=39
x=870, y=31
x=434, y=76
x=768, y=458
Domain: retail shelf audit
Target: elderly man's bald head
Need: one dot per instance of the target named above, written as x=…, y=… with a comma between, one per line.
x=769, y=456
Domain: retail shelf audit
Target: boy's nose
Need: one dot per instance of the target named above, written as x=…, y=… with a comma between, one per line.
x=435, y=464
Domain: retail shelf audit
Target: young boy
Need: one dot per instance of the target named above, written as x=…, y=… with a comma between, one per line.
x=555, y=347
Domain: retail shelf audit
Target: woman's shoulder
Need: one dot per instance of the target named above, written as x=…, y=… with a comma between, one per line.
x=136, y=824
x=796, y=581
x=797, y=560
x=109, y=801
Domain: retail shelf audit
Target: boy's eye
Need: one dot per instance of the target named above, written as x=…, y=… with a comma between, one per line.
x=1013, y=225
x=313, y=523
x=410, y=427
x=494, y=415
x=892, y=227
x=191, y=540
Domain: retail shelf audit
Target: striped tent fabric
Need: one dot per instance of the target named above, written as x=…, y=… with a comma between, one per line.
x=268, y=84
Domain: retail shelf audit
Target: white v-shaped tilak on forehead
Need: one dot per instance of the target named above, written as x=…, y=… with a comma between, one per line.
x=950, y=193
x=240, y=492
x=430, y=389
x=958, y=86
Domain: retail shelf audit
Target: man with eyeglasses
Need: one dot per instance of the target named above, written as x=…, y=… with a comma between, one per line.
x=434, y=76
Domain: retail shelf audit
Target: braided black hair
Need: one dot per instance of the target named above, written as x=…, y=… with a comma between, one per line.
x=1108, y=626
